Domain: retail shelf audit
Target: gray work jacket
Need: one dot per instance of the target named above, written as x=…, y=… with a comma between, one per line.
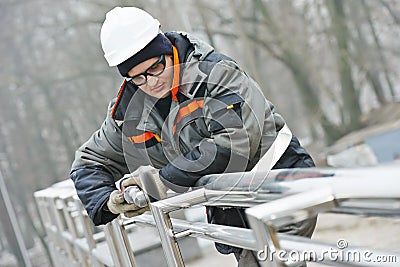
x=220, y=123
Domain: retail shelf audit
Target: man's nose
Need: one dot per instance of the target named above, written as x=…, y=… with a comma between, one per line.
x=152, y=80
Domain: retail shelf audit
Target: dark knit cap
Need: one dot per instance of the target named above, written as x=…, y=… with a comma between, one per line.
x=160, y=45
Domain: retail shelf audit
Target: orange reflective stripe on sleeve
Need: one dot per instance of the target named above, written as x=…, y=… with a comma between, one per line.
x=186, y=110
x=146, y=136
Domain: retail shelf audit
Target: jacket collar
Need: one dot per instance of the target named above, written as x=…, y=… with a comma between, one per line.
x=188, y=45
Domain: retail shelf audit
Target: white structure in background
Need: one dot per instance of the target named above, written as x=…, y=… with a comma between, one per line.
x=367, y=147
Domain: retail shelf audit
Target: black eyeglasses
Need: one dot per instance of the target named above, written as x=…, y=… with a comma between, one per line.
x=154, y=70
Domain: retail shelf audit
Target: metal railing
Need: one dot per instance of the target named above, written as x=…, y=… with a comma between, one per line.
x=273, y=200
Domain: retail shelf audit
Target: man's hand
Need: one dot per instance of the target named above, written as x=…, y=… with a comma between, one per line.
x=148, y=179
x=131, y=179
x=117, y=204
x=145, y=177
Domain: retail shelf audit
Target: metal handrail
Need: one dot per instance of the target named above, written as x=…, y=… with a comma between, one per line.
x=272, y=200
x=245, y=238
x=293, y=200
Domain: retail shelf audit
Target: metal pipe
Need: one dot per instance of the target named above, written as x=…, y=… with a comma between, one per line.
x=169, y=244
x=264, y=219
x=118, y=244
x=234, y=236
x=292, y=195
x=310, y=250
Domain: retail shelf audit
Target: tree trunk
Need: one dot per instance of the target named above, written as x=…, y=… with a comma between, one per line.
x=351, y=105
x=379, y=50
x=300, y=73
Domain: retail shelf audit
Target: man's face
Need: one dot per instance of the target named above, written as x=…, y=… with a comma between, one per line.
x=158, y=86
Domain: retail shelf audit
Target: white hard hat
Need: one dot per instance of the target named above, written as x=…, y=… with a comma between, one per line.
x=125, y=31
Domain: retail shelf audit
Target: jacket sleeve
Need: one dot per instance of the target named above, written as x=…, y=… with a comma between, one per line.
x=98, y=163
x=94, y=186
x=240, y=121
x=207, y=158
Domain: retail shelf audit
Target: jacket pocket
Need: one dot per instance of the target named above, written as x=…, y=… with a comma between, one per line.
x=226, y=112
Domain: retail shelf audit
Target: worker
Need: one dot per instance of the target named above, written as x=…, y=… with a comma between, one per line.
x=183, y=110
